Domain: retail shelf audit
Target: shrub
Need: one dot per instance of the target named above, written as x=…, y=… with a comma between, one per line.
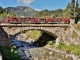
x=77, y=52
x=69, y=48
x=61, y=44
x=7, y=54
x=49, y=43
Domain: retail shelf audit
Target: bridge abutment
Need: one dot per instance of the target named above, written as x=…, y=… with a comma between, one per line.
x=4, y=38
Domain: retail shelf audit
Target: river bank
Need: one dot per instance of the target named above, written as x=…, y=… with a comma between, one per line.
x=68, y=55
x=30, y=52
x=30, y=49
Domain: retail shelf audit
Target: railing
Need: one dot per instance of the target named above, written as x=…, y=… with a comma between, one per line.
x=36, y=21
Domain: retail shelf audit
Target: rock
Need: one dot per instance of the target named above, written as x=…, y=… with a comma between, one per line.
x=36, y=59
x=50, y=57
x=50, y=53
x=22, y=37
x=29, y=40
x=79, y=22
x=59, y=59
x=57, y=41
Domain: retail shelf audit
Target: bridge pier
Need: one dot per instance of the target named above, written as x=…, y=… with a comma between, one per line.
x=4, y=38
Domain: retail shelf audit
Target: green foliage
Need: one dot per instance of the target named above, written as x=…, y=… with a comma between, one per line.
x=22, y=11
x=41, y=38
x=78, y=26
x=46, y=13
x=74, y=34
x=77, y=52
x=34, y=34
x=69, y=48
x=74, y=49
x=69, y=11
x=5, y=13
x=49, y=43
x=7, y=54
x=61, y=44
x=43, y=13
x=58, y=13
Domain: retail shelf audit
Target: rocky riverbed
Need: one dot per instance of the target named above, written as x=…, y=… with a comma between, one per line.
x=30, y=52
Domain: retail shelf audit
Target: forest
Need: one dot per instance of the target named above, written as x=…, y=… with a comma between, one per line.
x=68, y=12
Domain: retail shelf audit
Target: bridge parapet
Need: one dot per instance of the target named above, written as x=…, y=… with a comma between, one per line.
x=33, y=25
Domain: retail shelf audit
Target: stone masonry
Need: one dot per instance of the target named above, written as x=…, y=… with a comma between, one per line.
x=59, y=32
x=4, y=38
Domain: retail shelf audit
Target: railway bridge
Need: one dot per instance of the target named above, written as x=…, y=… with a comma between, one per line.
x=59, y=31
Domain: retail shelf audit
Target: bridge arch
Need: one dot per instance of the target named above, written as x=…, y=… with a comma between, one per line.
x=48, y=32
x=57, y=32
x=14, y=30
x=43, y=39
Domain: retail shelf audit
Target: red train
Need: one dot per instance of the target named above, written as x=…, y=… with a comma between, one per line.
x=36, y=20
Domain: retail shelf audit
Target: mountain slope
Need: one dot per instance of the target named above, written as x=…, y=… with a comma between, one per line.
x=22, y=11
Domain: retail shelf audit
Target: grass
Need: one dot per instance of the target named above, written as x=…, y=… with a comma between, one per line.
x=49, y=43
x=74, y=34
x=69, y=48
x=78, y=26
x=40, y=38
x=34, y=34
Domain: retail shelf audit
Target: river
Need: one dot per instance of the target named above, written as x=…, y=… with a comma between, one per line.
x=30, y=52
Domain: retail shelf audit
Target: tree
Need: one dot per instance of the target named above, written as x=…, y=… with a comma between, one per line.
x=67, y=11
x=71, y=8
x=58, y=13
x=5, y=13
x=74, y=7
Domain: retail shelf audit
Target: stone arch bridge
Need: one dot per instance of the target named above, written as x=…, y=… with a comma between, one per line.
x=59, y=31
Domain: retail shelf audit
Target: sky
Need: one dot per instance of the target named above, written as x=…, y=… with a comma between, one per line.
x=36, y=4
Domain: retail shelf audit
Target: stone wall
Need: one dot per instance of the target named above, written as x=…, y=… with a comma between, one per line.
x=4, y=38
x=75, y=40
x=64, y=35
x=60, y=33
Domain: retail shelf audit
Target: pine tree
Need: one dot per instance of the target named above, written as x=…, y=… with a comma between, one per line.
x=67, y=11
x=71, y=8
x=74, y=8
